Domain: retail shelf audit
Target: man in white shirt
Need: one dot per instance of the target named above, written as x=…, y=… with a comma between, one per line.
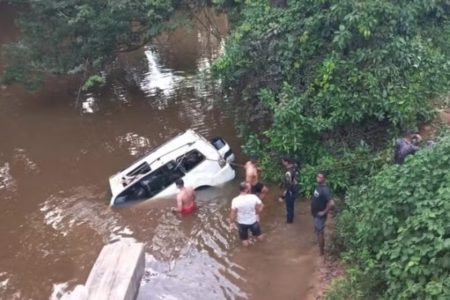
x=244, y=210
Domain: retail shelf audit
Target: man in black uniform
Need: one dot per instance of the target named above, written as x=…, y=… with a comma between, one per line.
x=321, y=204
x=290, y=187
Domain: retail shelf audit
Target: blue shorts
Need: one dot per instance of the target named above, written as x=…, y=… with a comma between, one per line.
x=319, y=224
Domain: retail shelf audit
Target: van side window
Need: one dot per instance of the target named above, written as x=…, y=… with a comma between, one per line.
x=133, y=193
x=141, y=169
x=151, y=184
x=190, y=160
x=164, y=176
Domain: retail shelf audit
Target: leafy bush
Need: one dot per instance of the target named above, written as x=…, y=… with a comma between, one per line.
x=396, y=228
x=92, y=82
x=349, y=287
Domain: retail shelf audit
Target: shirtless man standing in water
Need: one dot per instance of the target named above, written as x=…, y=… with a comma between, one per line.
x=185, y=199
x=251, y=176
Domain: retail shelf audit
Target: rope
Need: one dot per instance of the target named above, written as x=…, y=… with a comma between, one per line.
x=237, y=165
x=231, y=163
x=333, y=166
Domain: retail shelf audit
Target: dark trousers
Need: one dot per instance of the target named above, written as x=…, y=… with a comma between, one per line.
x=289, y=199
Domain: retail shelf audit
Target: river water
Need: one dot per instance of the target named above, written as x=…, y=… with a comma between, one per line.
x=57, y=153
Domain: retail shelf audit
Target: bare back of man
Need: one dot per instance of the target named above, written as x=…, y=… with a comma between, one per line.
x=252, y=177
x=185, y=199
x=251, y=173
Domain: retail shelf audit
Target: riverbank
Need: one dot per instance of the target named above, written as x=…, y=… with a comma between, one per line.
x=327, y=268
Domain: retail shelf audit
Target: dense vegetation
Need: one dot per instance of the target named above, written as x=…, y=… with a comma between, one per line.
x=396, y=231
x=329, y=80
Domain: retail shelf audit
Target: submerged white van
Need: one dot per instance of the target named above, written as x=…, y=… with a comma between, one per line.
x=189, y=156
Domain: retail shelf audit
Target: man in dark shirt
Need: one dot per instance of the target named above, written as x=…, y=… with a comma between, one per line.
x=290, y=187
x=321, y=203
x=406, y=146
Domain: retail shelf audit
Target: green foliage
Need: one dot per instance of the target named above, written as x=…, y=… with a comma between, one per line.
x=348, y=287
x=20, y=71
x=93, y=82
x=395, y=229
x=318, y=70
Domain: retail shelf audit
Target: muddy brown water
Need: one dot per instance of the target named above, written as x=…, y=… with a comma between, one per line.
x=55, y=158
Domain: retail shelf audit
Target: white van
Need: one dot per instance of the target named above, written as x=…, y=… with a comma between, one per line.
x=189, y=156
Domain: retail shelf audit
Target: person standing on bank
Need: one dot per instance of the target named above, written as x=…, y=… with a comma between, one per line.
x=321, y=204
x=290, y=187
x=244, y=210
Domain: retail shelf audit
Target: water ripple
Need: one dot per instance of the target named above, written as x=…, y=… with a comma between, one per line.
x=192, y=254
x=159, y=81
x=67, y=211
x=194, y=276
x=21, y=156
x=137, y=145
x=7, y=182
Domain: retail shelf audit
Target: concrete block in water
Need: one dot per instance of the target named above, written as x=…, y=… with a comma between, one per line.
x=117, y=273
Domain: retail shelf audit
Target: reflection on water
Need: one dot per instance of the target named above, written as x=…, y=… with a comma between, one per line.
x=137, y=145
x=89, y=106
x=21, y=158
x=7, y=182
x=187, y=280
x=159, y=81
